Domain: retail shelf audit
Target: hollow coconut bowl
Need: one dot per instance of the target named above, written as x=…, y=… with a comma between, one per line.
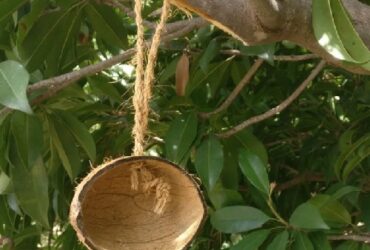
x=108, y=214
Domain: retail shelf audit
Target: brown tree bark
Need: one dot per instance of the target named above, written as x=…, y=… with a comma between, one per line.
x=264, y=21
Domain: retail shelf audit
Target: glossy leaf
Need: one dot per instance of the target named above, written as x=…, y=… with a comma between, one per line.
x=209, y=160
x=326, y=31
x=255, y=170
x=279, y=242
x=307, y=216
x=13, y=85
x=352, y=41
x=180, y=136
x=238, y=219
x=252, y=241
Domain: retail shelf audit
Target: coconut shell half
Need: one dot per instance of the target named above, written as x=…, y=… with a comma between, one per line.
x=108, y=214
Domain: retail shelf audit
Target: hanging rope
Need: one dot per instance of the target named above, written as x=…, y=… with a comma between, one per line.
x=142, y=95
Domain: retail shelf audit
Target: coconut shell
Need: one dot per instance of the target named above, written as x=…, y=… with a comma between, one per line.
x=108, y=214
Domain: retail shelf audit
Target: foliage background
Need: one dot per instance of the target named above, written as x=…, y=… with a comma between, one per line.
x=314, y=153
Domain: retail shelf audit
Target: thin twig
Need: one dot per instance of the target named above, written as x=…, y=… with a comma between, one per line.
x=354, y=237
x=277, y=109
x=300, y=179
x=289, y=58
x=127, y=11
x=55, y=84
x=246, y=79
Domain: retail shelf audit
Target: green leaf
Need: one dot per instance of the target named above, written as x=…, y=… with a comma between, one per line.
x=348, y=154
x=307, y=216
x=351, y=40
x=302, y=242
x=348, y=245
x=102, y=86
x=209, y=53
x=364, y=204
x=361, y=155
x=254, y=169
x=65, y=146
x=13, y=85
x=252, y=143
x=80, y=133
x=333, y=213
x=107, y=24
x=238, y=219
x=28, y=135
x=344, y=191
x=26, y=22
x=31, y=189
x=209, y=160
x=326, y=32
x=180, y=136
x=279, y=242
x=9, y=7
x=5, y=183
x=40, y=40
x=320, y=241
x=222, y=197
x=252, y=241
x=64, y=41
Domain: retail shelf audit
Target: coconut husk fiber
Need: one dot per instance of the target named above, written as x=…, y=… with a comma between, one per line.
x=109, y=214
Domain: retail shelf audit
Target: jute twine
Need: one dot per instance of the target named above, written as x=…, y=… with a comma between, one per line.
x=141, y=177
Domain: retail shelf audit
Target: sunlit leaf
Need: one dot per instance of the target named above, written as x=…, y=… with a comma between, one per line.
x=13, y=85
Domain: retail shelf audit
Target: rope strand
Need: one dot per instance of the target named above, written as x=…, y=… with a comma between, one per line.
x=140, y=106
x=143, y=93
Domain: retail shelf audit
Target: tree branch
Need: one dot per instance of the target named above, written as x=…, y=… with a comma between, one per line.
x=268, y=13
x=55, y=84
x=239, y=18
x=354, y=237
x=300, y=179
x=127, y=11
x=246, y=79
x=277, y=109
x=288, y=58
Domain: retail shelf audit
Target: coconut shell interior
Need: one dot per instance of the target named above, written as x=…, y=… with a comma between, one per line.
x=107, y=214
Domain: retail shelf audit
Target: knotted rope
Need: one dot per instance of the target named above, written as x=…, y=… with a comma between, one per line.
x=142, y=95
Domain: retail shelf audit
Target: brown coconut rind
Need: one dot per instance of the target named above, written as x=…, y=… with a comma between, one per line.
x=107, y=214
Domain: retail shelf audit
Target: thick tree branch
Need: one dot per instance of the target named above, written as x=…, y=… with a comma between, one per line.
x=277, y=109
x=268, y=13
x=246, y=79
x=247, y=21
